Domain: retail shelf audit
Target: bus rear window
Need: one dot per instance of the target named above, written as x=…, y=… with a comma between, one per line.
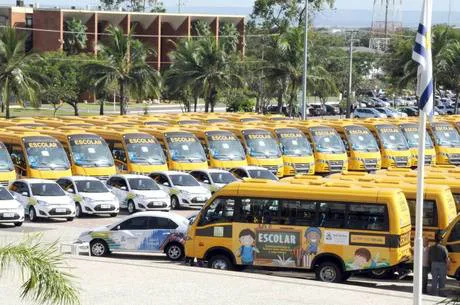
x=430, y=212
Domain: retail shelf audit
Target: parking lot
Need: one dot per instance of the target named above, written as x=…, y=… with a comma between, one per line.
x=133, y=279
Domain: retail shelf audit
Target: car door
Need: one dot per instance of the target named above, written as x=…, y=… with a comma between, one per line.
x=21, y=193
x=161, y=232
x=116, y=185
x=163, y=182
x=130, y=234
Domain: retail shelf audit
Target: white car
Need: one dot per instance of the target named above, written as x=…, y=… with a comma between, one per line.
x=213, y=179
x=253, y=172
x=91, y=196
x=43, y=199
x=364, y=113
x=144, y=232
x=11, y=210
x=138, y=193
x=184, y=190
x=391, y=113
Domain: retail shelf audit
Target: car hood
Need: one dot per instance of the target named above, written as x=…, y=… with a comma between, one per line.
x=9, y=204
x=57, y=200
x=99, y=196
x=152, y=194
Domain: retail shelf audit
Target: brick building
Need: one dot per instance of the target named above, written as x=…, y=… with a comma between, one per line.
x=157, y=30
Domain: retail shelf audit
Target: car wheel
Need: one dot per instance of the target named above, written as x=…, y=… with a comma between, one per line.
x=175, y=203
x=78, y=210
x=113, y=215
x=329, y=272
x=18, y=224
x=99, y=247
x=32, y=215
x=174, y=251
x=131, y=207
x=220, y=262
x=69, y=218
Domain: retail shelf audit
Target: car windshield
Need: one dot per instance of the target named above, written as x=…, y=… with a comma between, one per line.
x=294, y=143
x=90, y=151
x=392, y=138
x=261, y=144
x=446, y=135
x=5, y=160
x=5, y=194
x=222, y=178
x=144, y=149
x=261, y=174
x=225, y=146
x=91, y=186
x=142, y=184
x=185, y=147
x=326, y=140
x=361, y=139
x=45, y=153
x=183, y=180
x=46, y=189
x=411, y=134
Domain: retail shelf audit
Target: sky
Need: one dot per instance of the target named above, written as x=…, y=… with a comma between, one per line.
x=439, y=5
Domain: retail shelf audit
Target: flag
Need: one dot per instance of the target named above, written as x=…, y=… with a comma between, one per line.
x=422, y=55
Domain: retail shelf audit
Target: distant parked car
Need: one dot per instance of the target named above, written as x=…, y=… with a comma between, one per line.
x=410, y=111
x=332, y=110
x=253, y=172
x=364, y=113
x=213, y=179
x=445, y=109
x=391, y=113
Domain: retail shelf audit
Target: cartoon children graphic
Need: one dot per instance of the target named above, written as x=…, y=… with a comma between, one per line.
x=361, y=259
x=246, y=251
x=313, y=236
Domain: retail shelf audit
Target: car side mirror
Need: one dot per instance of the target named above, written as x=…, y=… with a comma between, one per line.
x=25, y=194
x=165, y=183
x=117, y=228
x=206, y=181
x=71, y=191
x=123, y=188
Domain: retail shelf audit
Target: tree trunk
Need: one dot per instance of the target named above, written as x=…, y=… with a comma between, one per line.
x=7, y=100
x=456, y=100
x=280, y=102
x=195, y=103
x=101, y=108
x=75, y=108
x=122, y=98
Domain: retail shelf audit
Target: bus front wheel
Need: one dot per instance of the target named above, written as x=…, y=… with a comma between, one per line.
x=221, y=262
x=329, y=272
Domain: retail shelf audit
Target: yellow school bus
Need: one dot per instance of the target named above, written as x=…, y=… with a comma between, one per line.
x=134, y=152
x=447, y=142
x=452, y=242
x=393, y=145
x=362, y=148
x=35, y=155
x=183, y=150
x=7, y=170
x=297, y=152
x=261, y=148
x=324, y=228
x=88, y=153
x=410, y=132
x=222, y=147
x=328, y=148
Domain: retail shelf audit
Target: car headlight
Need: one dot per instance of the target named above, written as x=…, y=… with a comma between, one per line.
x=185, y=193
x=41, y=202
x=141, y=197
x=88, y=200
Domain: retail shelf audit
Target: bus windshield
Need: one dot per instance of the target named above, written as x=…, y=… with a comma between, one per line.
x=90, y=151
x=5, y=160
x=361, y=139
x=261, y=144
x=411, y=134
x=224, y=146
x=294, y=143
x=5, y=194
x=327, y=140
x=45, y=153
x=144, y=149
x=446, y=135
x=185, y=147
x=392, y=138
x=46, y=189
x=91, y=186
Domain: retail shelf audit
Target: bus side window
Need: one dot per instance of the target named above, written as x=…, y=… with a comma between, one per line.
x=220, y=210
x=257, y=210
x=367, y=217
x=332, y=215
x=299, y=213
x=430, y=212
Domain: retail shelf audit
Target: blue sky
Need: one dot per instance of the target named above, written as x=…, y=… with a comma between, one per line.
x=439, y=5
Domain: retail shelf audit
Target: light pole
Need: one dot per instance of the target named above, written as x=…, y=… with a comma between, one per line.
x=305, y=65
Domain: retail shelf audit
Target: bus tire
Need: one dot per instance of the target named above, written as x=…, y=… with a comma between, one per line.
x=346, y=276
x=329, y=272
x=221, y=262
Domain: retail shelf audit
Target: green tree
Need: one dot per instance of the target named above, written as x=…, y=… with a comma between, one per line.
x=17, y=78
x=41, y=266
x=134, y=5
x=449, y=68
x=123, y=60
x=74, y=36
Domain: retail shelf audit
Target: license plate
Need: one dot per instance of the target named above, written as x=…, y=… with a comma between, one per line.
x=157, y=204
x=8, y=215
x=105, y=206
x=60, y=210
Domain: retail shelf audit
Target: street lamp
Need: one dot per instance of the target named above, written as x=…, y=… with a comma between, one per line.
x=305, y=65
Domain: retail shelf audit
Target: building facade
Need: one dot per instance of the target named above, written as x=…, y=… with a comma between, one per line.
x=159, y=31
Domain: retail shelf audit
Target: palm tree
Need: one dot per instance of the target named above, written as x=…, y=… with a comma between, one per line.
x=75, y=38
x=17, y=78
x=123, y=60
x=450, y=69
x=45, y=282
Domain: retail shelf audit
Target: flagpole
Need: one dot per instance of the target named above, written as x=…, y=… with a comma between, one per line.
x=418, y=251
